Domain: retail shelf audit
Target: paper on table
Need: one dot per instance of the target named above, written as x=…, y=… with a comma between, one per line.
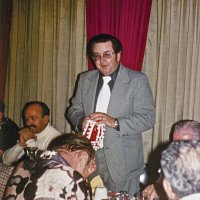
x=100, y=193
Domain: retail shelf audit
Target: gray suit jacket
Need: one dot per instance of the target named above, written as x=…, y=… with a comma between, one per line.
x=132, y=104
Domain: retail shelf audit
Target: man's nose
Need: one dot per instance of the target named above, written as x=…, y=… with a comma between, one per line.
x=102, y=59
x=28, y=122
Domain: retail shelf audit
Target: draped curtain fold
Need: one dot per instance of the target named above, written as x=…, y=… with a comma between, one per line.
x=5, y=22
x=172, y=63
x=128, y=20
x=47, y=51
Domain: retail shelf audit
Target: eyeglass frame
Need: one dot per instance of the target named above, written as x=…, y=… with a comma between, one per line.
x=103, y=55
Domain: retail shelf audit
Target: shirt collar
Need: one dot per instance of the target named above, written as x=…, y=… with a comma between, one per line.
x=41, y=133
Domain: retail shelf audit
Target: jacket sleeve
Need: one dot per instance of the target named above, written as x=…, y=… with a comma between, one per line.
x=13, y=154
x=141, y=113
x=75, y=112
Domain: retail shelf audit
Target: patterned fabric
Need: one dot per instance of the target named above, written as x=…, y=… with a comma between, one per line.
x=5, y=172
x=49, y=178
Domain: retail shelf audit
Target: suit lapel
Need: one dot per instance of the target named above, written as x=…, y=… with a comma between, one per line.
x=119, y=91
x=91, y=85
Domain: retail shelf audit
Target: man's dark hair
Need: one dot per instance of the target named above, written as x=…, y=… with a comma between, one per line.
x=117, y=46
x=72, y=142
x=45, y=109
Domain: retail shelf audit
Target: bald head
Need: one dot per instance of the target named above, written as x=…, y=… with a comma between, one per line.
x=185, y=130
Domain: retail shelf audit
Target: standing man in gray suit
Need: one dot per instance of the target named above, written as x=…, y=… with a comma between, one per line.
x=129, y=112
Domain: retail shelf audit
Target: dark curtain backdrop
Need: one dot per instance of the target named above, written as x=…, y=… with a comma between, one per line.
x=126, y=19
x=5, y=22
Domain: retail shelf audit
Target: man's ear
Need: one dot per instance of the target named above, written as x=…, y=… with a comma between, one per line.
x=46, y=119
x=92, y=166
x=168, y=189
x=118, y=56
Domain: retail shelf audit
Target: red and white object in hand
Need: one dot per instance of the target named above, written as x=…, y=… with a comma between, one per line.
x=95, y=133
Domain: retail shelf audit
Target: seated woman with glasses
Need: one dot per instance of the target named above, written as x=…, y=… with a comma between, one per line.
x=58, y=173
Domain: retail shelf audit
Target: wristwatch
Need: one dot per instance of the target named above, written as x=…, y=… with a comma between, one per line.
x=116, y=124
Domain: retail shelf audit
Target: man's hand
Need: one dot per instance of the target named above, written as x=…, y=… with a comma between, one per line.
x=25, y=134
x=150, y=192
x=92, y=166
x=103, y=118
x=85, y=122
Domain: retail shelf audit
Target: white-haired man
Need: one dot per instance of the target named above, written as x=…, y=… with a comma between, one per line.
x=180, y=165
x=183, y=130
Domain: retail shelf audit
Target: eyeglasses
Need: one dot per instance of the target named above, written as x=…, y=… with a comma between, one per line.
x=106, y=55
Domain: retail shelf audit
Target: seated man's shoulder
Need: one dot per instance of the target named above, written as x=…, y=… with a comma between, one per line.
x=8, y=123
x=64, y=172
x=62, y=181
x=54, y=130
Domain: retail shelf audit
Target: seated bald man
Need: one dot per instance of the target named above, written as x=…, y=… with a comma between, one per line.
x=37, y=129
x=59, y=173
